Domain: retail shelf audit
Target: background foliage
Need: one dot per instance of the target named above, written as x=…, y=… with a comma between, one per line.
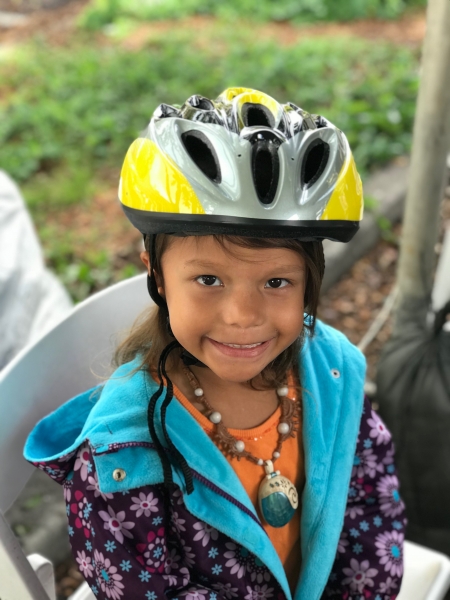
x=69, y=112
x=78, y=109
x=102, y=12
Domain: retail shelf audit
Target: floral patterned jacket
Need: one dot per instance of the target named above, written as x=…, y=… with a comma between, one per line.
x=132, y=540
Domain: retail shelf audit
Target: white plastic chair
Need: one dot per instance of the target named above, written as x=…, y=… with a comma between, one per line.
x=427, y=574
x=64, y=363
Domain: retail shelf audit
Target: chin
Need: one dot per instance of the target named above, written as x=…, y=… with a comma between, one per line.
x=234, y=373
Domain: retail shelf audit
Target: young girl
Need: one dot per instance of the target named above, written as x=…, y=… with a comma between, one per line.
x=232, y=453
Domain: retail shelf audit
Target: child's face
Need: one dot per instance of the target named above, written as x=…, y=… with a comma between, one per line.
x=243, y=297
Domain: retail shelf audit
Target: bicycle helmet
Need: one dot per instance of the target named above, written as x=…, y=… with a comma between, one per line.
x=242, y=164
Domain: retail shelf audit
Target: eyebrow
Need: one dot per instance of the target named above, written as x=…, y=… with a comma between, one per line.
x=211, y=265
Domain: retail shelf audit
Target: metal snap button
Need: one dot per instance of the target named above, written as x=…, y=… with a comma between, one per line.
x=335, y=373
x=119, y=474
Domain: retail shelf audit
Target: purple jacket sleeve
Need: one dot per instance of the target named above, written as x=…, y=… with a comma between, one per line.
x=369, y=560
x=126, y=545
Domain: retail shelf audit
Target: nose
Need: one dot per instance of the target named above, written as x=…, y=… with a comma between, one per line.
x=243, y=308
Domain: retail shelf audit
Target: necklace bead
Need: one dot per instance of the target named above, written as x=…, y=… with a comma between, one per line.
x=260, y=462
x=198, y=392
x=215, y=417
x=283, y=390
x=276, y=455
x=283, y=428
x=240, y=446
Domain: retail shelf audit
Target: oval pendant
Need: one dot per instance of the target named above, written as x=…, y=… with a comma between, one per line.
x=278, y=498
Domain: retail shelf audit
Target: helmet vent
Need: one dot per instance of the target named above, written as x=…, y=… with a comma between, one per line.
x=314, y=162
x=257, y=114
x=203, y=154
x=265, y=170
x=201, y=102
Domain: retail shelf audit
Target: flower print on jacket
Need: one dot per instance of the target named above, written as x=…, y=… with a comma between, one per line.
x=205, y=533
x=389, y=586
x=369, y=557
x=93, y=485
x=354, y=512
x=85, y=564
x=359, y=575
x=391, y=503
x=188, y=556
x=82, y=509
x=178, y=522
x=83, y=462
x=343, y=542
x=154, y=552
x=226, y=590
x=379, y=432
x=67, y=486
x=259, y=593
x=241, y=561
x=390, y=548
x=366, y=463
x=172, y=564
x=194, y=594
x=110, y=581
x=144, y=504
x=116, y=524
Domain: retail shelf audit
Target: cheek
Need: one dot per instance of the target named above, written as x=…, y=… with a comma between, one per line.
x=290, y=327
x=188, y=319
x=289, y=316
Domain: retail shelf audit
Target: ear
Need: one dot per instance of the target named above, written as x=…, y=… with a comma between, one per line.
x=145, y=259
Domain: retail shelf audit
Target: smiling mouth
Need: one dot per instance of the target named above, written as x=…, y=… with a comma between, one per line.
x=241, y=350
x=242, y=345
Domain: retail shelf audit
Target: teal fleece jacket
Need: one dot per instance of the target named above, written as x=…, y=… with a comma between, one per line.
x=332, y=375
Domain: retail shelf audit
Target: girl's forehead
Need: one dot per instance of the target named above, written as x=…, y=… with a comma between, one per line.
x=192, y=250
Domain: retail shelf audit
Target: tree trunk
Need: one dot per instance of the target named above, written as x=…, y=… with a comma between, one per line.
x=431, y=141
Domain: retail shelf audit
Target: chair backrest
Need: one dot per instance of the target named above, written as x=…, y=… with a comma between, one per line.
x=427, y=574
x=71, y=358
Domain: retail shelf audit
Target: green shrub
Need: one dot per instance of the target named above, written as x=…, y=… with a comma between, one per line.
x=103, y=12
x=67, y=112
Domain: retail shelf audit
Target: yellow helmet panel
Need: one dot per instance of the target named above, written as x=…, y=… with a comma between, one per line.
x=151, y=182
x=230, y=93
x=346, y=202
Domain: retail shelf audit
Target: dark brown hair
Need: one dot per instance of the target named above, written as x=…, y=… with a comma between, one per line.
x=150, y=335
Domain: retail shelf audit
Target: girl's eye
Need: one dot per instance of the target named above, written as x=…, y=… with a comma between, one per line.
x=277, y=282
x=209, y=280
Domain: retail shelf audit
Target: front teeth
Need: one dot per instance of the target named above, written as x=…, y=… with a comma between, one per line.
x=244, y=345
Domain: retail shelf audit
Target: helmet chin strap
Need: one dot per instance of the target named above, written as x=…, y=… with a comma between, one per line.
x=187, y=358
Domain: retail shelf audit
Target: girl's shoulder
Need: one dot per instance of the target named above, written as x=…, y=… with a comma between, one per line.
x=107, y=416
x=330, y=349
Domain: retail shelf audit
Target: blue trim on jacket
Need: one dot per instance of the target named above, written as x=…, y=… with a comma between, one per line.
x=332, y=377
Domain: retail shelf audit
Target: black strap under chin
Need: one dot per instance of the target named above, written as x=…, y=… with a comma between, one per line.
x=189, y=359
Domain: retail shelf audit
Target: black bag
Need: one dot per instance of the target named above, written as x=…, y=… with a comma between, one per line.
x=413, y=393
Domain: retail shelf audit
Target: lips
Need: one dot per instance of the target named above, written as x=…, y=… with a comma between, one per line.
x=242, y=345
x=240, y=350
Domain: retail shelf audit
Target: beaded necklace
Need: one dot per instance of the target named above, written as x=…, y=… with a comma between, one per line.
x=277, y=495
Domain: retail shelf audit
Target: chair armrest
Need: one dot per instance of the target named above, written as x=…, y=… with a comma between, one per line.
x=44, y=570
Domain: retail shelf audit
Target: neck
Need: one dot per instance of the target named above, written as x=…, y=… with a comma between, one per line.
x=241, y=406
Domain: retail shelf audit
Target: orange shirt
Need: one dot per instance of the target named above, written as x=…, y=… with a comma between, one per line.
x=261, y=442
